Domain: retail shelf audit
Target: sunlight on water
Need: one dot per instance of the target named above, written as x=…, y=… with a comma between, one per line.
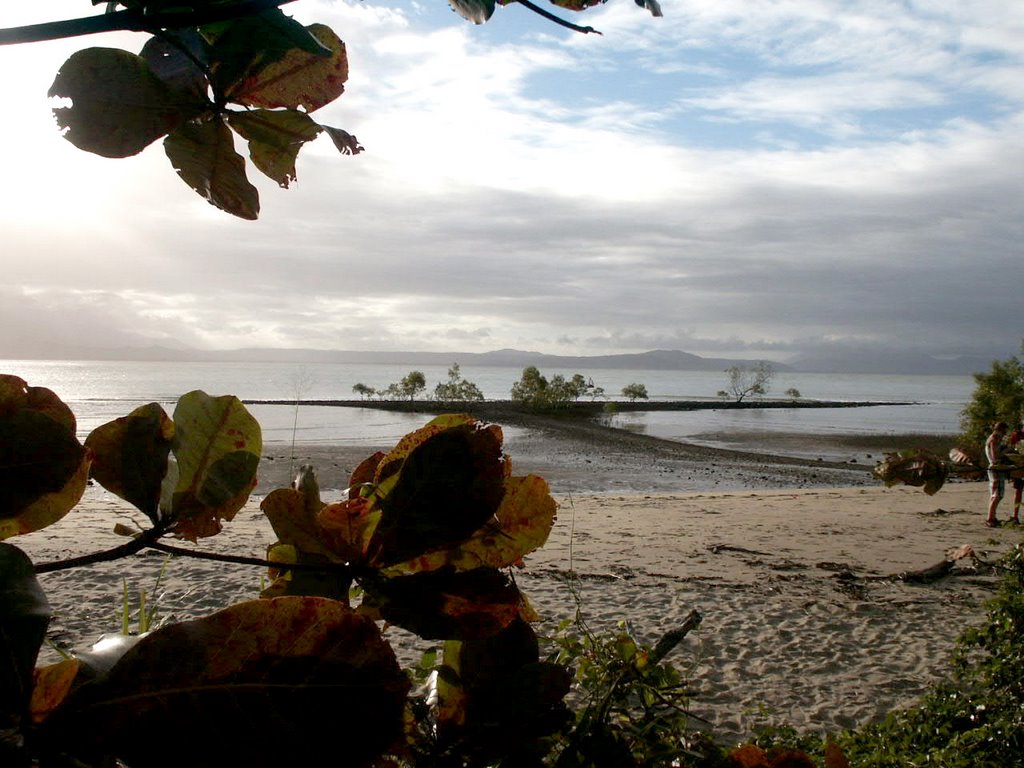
x=101, y=391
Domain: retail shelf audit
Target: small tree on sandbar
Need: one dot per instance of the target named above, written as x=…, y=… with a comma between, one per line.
x=745, y=381
x=634, y=392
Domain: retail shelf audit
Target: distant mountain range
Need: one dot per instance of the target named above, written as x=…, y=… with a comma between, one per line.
x=655, y=360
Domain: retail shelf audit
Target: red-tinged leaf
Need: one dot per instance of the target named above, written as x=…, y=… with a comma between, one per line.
x=363, y=474
x=204, y=156
x=344, y=141
x=442, y=604
x=439, y=485
x=130, y=456
x=294, y=520
x=266, y=683
x=217, y=449
x=347, y=528
x=51, y=685
x=834, y=757
x=43, y=467
x=24, y=617
x=246, y=44
x=119, y=107
x=749, y=756
x=299, y=79
x=275, y=138
x=521, y=525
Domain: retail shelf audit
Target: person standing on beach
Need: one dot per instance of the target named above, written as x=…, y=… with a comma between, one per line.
x=1018, y=482
x=996, y=478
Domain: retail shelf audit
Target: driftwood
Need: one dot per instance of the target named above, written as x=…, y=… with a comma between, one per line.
x=927, y=575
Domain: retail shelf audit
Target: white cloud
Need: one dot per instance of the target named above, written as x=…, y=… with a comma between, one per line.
x=856, y=181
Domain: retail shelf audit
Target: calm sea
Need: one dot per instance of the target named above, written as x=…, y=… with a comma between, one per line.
x=100, y=391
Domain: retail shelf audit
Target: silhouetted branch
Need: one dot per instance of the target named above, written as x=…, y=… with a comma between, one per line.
x=559, y=21
x=132, y=20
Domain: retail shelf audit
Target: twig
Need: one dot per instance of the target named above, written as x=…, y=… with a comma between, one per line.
x=146, y=539
x=559, y=21
x=343, y=569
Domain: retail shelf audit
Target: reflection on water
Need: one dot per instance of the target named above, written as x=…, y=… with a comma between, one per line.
x=761, y=430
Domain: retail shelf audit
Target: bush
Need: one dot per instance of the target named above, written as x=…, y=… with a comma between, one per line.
x=975, y=718
x=635, y=392
x=998, y=396
x=457, y=389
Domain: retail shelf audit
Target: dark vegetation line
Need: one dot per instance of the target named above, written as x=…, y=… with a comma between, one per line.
x=589, y=408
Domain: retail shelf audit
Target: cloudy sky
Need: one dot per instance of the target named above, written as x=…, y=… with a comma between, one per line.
x=738, y=178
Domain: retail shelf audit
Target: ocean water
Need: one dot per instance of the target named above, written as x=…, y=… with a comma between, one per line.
x=99, y=391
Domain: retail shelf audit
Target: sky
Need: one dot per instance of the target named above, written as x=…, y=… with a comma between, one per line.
x=740, y=178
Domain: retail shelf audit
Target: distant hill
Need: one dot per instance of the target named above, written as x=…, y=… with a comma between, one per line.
x=655, y=360
x=891, y=362
x=883, y=362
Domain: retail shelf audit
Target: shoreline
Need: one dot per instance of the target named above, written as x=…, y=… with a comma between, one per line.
x=786, y=638
x=582, y=455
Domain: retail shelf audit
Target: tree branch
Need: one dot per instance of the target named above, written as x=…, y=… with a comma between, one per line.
x=132, y=20
x=559, y=21
x=145, y=539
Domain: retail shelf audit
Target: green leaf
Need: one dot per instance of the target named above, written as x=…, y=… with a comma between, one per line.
x=43, y=467
x=272, y=683
x=119, y=107
x=275, y=138
x=217, y=448
x=298, y=79
x=24, y=617
x=204, y=156
x=130, y=456
x=476, y=11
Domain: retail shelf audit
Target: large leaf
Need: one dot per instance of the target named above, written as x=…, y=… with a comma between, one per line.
x=43, y=467
x=496, y=699
x=246, y=44
x=347, y=528
x=275, y=138
x=442, y=604
x=130, y=456
x=24, y=617
x=270, y=683
x=176, y=60
x=521, y=525
x=299, y=79
x=217, y=449
x=204, y=156
x=300, y=541
x=439, y=485
x=119, y=107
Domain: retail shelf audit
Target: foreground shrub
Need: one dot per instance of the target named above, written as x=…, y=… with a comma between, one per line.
x=976, y=717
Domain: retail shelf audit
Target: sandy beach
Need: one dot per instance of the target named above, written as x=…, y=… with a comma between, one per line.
x=786, y=561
